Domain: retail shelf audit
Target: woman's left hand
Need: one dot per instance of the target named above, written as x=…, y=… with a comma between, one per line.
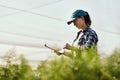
x=67, y=46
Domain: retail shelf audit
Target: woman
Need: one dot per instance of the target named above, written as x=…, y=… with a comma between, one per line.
x=88, y=38
x=82, y=21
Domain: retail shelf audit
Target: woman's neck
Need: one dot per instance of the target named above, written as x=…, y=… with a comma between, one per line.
x=84, y=26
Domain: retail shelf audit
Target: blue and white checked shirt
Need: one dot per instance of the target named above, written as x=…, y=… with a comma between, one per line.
x=88, y=38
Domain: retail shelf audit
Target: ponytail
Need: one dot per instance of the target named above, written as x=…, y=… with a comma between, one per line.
x=87, y=19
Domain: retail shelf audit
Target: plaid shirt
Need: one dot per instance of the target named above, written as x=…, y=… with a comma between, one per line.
x=87, y=39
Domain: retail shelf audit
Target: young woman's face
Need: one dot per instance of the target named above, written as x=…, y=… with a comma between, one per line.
x=79, y=22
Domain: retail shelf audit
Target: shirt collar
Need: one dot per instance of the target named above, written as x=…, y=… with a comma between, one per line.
x=86, y=29
x=83, y=31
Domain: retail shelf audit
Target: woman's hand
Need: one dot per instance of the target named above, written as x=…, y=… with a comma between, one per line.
x=67, y=46
x=57, y=51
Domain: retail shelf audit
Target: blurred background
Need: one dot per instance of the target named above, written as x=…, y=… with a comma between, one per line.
x=26, y=25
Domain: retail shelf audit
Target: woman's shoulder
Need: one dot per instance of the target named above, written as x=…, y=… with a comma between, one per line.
x=92, y=31
x=89, y=31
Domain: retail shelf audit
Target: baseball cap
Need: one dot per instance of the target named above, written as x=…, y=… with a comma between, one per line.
x=76, y=15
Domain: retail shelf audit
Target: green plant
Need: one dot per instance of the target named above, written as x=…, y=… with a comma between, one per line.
x=84, y=65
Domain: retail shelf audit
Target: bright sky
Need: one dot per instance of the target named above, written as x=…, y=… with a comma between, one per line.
x=27, y=25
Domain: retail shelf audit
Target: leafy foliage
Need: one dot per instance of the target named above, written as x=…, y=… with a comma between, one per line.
x=83, y=65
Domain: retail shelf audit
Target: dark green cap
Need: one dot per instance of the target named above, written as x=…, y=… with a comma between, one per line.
x=77, y=14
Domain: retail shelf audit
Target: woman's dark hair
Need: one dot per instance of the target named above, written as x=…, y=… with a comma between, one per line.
x=87, y=19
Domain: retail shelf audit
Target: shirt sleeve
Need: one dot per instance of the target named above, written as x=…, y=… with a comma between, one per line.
x=90, y=41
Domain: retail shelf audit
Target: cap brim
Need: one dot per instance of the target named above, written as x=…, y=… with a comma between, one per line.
x=69, y=22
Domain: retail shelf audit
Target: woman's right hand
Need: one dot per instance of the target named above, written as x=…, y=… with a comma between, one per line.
x=57, y=51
